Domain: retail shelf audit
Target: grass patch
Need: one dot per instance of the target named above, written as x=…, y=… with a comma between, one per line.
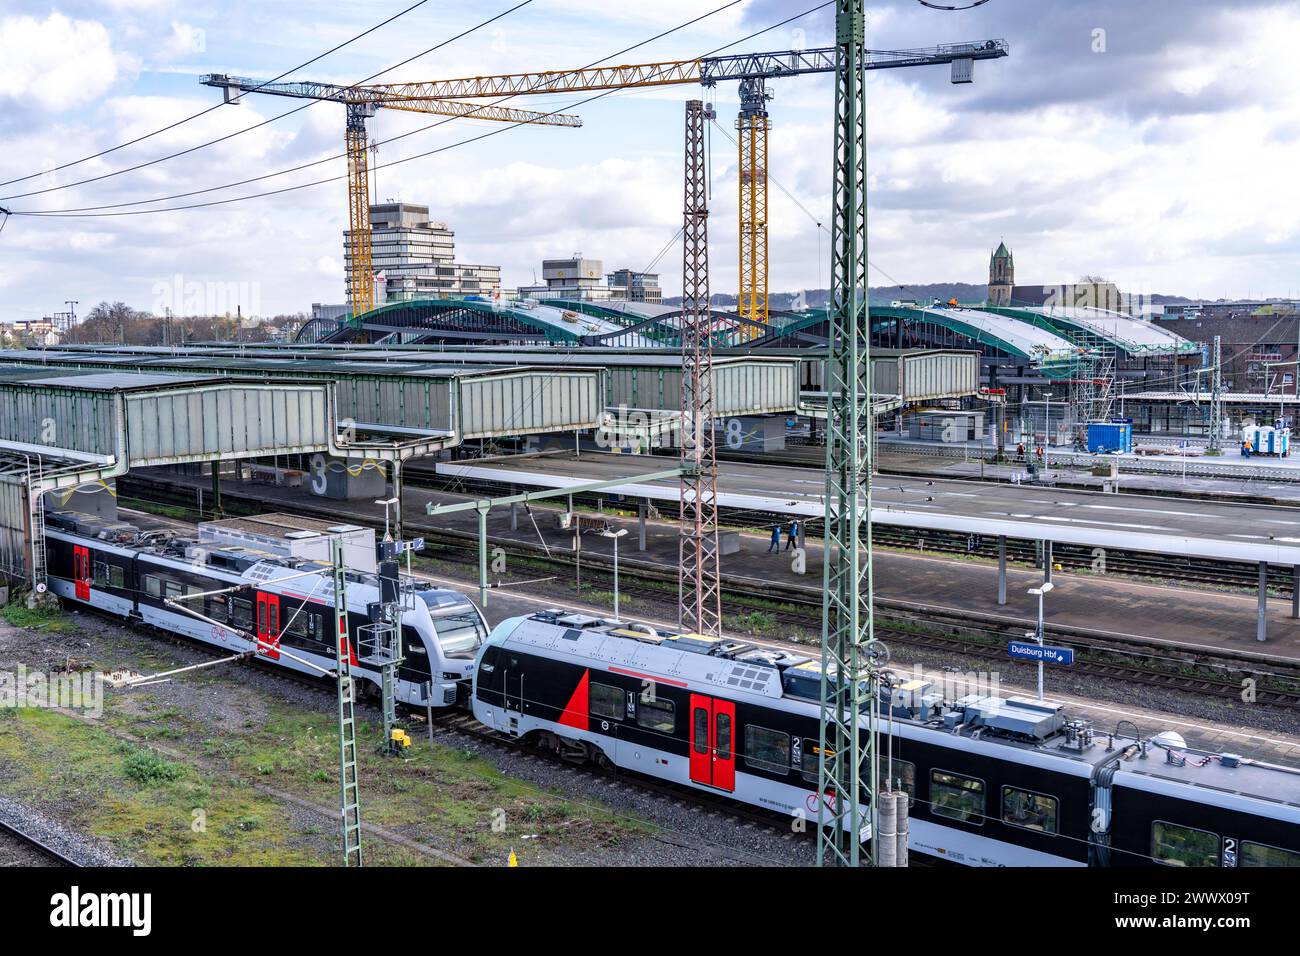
x=38, y=618
x=147, y=768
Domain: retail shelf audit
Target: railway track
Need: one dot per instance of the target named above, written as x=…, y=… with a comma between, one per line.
x=465, y=724
x=19, y=834
x=1154, y=664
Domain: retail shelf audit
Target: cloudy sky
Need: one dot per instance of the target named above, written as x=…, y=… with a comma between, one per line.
x=1153, y=143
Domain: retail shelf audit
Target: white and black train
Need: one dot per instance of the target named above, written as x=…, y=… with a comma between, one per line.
x=991, y=781
x=118, y=569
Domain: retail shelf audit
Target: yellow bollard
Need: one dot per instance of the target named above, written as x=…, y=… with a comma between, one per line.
x=514, y=860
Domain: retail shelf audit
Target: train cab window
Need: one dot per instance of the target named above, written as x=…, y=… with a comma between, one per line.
x=1259, y=854
x=605, y=701
x=901, y=775
x=1033, y=811
x=241, y=613
x=767, y=749
x=957, y=797
x=152, y=586
x=1175, y=845
x=656, y=715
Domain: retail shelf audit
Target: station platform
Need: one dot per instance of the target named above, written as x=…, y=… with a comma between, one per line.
x=1107, y=606
x=1228, y=531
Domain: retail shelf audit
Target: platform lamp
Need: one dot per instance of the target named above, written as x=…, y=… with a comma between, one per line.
x=387, y=503
x=1038, y=634
x=615, y=535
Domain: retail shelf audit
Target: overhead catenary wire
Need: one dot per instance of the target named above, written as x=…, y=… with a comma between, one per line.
x=79, y=213
x=204, y=112
x=265, y=122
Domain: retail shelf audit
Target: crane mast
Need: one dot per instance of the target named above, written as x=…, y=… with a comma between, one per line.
x=361, y=103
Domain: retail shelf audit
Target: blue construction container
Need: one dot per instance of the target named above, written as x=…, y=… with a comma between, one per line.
x=1106, y=437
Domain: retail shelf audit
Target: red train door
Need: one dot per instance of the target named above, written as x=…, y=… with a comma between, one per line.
x=268, y=624
x=81, y=571
x=713, y=751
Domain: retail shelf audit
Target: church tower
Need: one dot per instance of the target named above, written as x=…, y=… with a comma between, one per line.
x=1002, y=276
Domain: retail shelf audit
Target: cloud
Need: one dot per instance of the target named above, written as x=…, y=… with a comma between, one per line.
x=56, y=63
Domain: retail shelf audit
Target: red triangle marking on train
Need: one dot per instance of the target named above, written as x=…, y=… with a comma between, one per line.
x=575, y=711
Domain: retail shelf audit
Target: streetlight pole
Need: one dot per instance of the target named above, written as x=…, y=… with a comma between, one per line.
x=615, y=535
x=1038, y=634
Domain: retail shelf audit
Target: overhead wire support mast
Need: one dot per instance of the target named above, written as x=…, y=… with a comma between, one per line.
x=361, y=103
x=845, y=754
x=698, y=567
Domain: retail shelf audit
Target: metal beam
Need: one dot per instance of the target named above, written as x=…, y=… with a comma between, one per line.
x=437, y=509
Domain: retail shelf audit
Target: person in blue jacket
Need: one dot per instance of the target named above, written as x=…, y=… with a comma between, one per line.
x=776, y=539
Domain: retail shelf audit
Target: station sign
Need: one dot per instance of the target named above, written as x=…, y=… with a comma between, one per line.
x=1032, y=651
x=415, y=544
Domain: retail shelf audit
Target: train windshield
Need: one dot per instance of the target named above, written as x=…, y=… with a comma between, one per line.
x=459, y=635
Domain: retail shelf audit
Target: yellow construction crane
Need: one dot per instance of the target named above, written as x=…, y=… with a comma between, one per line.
x=752, y=70
x=361, y=104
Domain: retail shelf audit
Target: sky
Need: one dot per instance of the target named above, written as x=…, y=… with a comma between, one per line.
x=1151, y=143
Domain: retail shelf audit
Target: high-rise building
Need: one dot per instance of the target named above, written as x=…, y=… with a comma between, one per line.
x=635, y=286
x=570, y=278
x=416, y=258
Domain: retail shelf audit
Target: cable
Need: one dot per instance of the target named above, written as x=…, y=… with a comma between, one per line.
x=265, y=122
x=181, y=122
x=78, y=213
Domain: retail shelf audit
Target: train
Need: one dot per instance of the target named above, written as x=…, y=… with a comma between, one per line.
x=282, y=611
x=990, y=781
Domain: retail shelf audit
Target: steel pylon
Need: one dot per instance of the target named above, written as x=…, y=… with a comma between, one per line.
x=701, y=606
x=846, y=765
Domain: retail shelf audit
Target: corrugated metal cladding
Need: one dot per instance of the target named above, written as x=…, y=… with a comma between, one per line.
x=13, y=527
x=884, y=376
x=534, y=401
x=406, y=402
x=227, y=421
x=752, y=388
x=939, y=375
x=75, y=419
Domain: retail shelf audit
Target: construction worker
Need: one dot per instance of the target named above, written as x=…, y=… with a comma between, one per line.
x=1246, y=448
x=776, y=539
x=792, y=541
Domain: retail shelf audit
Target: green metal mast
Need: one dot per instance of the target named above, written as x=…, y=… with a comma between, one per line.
x=846, y=765
x=350, y=807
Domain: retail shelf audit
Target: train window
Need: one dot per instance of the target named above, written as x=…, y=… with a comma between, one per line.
x=605, y=701
x=217, y=607
x=657, y=715
x=172, y=590
x=241, y=613
x=1033, y=811
x=700, y=735
x=1175, y=845
x=901, y=775
x=152, y=586
x=723, y=735
x=957, y=797
x=1259, y=854
x=767, y=749
x=303, y=624
x=809, y=756
x=109, y=575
